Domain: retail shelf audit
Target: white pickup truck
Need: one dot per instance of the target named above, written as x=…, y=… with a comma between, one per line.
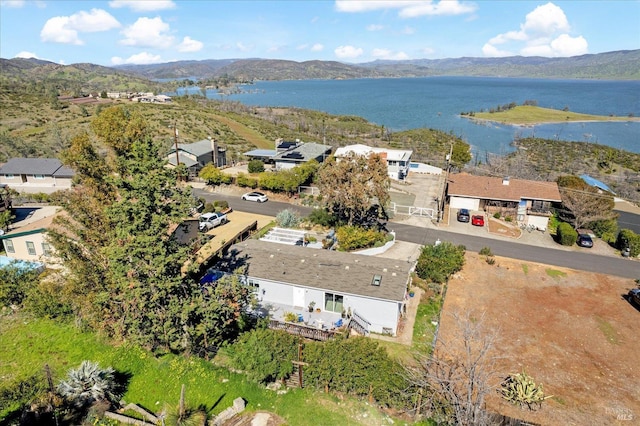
x=211, y=220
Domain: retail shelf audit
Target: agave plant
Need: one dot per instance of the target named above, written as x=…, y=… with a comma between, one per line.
x=87, y=384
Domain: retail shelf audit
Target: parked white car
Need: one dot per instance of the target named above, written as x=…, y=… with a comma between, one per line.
x=211, y=220
x=255, y=196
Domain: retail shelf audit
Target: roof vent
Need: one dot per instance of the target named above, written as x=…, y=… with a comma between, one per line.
x=384, y=270
x=393, y=274
x=346, y=267
x=376, y=280
x=301, y=260
x=271, y=256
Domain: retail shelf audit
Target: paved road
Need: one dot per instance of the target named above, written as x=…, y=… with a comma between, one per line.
x=414, y=234
x=628, y=220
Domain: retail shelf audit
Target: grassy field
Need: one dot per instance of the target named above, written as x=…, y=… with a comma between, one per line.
x=28, y=344
x=526, y=115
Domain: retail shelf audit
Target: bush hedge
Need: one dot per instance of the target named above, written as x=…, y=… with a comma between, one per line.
x=628, y=238
x=567, y=236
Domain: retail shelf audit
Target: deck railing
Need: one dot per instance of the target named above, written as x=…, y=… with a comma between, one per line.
x=302, y=330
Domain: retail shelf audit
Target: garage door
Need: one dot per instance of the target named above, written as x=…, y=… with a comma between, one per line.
x=464, y=203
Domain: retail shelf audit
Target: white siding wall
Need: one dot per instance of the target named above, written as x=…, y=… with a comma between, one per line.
x=380, y=313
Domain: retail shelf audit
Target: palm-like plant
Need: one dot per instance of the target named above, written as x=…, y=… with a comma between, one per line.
x=87, y=384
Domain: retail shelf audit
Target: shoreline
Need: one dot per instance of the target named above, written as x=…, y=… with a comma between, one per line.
x=539, y=123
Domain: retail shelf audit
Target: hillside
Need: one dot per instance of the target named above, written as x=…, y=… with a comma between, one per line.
x=619, y=65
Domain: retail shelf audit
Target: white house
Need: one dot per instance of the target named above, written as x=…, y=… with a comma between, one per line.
x=398, y=161
x=373, y=288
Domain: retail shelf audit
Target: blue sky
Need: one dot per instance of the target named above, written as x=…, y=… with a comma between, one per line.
x=151, y=31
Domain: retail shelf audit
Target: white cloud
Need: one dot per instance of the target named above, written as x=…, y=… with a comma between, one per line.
x=492, y=51
x=65, y=29
x=148, y=32
x=407, y=9
x=388, y=54
x=348, y=52
x=317, y=47
x=408, y=30
x=143, y=5
x=190, y=45
x=25, y=54
x=374, y=27
x=543, y=33
x=244, y=48
x=140, y=58
x=12, y=3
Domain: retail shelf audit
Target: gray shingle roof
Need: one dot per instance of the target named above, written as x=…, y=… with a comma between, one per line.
x=304, y=152
x=199, y=148
x=345, y=273
x=36, y=166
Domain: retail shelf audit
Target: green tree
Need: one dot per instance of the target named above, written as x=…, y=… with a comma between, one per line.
x=438, y=262
x=118, y=128
x=355, y=189
x=255, y=166
x=460, y=154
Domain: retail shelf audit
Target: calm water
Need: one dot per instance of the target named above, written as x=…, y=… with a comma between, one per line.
x=436, y=102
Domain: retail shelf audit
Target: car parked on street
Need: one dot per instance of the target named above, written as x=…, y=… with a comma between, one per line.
x=584, y=240
x=477, y=220
x=634, y=296
x=463, y=215
x=255, y=196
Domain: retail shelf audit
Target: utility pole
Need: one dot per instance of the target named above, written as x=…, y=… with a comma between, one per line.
x=175, y=142
x=444, y=185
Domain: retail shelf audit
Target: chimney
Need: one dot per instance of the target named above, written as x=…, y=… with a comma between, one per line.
x=505, y=180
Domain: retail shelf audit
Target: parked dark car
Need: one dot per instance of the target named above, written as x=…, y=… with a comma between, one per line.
x=463, y=215
x=634, y=296
x=584, y=241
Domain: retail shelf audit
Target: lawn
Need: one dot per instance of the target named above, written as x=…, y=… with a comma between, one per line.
x=28, y=344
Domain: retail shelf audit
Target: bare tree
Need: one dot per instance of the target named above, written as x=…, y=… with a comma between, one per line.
x=583, y=203
x=454, y=380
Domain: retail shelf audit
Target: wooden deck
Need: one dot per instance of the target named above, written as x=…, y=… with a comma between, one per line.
x=303, y=330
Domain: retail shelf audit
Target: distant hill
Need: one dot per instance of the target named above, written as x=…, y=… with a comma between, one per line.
x=69, y=79
x=619, y=65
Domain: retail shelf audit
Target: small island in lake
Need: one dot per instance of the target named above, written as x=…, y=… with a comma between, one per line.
x=527, y=115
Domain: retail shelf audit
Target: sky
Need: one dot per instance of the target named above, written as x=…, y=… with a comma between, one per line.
x=119, y=32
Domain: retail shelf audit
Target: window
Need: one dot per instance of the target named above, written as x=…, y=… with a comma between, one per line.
x=377, y=279
x=10, y=176
x=333, y=302
x=38, y=176
x=31, y=248
x=8, y=246
x=254, y=285
x=46, y=249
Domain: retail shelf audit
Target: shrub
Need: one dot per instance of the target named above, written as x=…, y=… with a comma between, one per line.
x=606, y=230
x=629, y=239
x=522, y=390
x=220, y=205
x=497, y=215
x=485, y=251
x=214, y=176
x=255, y=166
x=288, y=218
x=438, y=263
x=246, y=181
x=15, y=283
x=567, y=236
x=321, y=217
x=87, y=384
x=508, y=219
x=354, y=237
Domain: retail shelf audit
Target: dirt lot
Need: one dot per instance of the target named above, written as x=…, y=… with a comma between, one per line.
x=571, y=331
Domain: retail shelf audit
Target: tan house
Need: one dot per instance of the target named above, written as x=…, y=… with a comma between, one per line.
x=29, y=242
x=33, y=175
x=527, y=201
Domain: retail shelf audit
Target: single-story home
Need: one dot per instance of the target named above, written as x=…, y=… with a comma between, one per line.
x=527, y=201
x=373, y=288
x=197, y=155
x=29, y=243
x=398, y=161
x=300, y=154
x=36, y=174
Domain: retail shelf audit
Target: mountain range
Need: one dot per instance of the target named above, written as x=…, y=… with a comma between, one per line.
x=618, y=65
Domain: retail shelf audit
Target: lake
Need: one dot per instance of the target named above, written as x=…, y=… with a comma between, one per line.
x=436, y=102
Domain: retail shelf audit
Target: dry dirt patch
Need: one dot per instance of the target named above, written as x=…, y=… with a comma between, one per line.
x=572, y=331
